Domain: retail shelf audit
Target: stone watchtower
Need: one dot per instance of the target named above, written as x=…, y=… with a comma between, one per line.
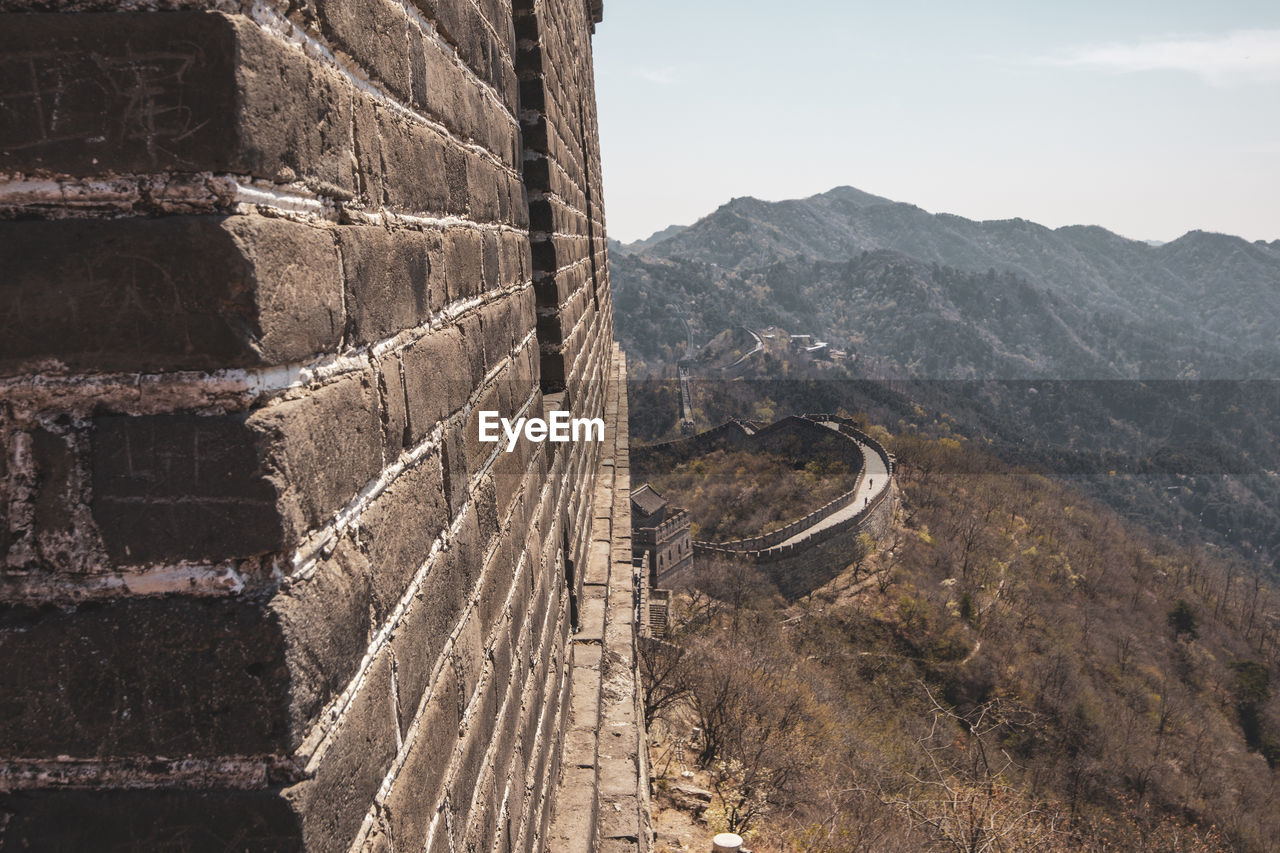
x=261, y=586
x=662, y=530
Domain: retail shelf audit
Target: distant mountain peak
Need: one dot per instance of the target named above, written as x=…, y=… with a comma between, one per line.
x=853, y=195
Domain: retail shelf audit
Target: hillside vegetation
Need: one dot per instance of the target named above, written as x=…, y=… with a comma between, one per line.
x=1013, y=667
x=734, y=494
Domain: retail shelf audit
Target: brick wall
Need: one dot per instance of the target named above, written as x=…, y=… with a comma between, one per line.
x=264, y=263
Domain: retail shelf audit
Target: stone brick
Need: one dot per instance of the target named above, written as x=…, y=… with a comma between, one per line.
x=421, y=636
x=398, y=529
x=496, y=325
x=496, y=583
x=486, y=508
x=436, y=380
x=326, y=625
x=473, y=346
x=415, y=792
x=197, y=293
x=185, y=91
x=462, y=24
x=478, y=452
x=56, y=491
x=388, y=282
x=466, y=773
x=334, y=802
x=374, y=33
x=170, y=487
x=132, y=92
x=396, y=435
x=208, y=677
x=406, y=165
x=464, y=251
x=465, y=549
x=468, y=657
x=177, y=821
x=294, y=115
x=453, y=457
x=326, y=446
x=492, y=254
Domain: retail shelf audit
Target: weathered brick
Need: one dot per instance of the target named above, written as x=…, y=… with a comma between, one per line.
x=388, y=281
x=462, y=24
x=436, y=380
x=181, y=487
x=199, y=292
x=396, y=435
x=56, y=491
x=184, y=91
x=497, y=327
x=397, y=531
x=496, y=583
x=492, y=260
x=405, y=165
x=334, y=802
x=464, y=250
x=208, y=677
x=374, y=33
x=326, y=625
x=421, y=636
x=468, y=555
x=467, y=771
x=411, y=802
x=135, y=92
x=178, y=821
x=473, y=346
x=326, y=447
x=468, y=658
x=453, y=455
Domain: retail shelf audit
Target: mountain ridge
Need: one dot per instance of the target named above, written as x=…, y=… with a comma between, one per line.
x=1220, y=290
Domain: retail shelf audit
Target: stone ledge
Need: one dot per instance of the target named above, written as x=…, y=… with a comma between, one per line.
x=605, y=748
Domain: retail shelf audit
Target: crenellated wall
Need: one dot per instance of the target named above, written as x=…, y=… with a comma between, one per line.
x=811, y=550
x=264, y=263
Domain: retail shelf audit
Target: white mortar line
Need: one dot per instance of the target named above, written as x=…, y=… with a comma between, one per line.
x=430, y=30
x=233, y=387
x=85, y=196
x=238, y=772
x=275, y=23
x=330, y=720
x=230, y=577
x=385, y=216
x=286, y=198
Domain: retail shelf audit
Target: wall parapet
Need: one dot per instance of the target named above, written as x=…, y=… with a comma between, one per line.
x=814, y=542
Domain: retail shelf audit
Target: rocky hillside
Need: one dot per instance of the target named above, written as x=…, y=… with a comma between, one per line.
x=1011, y=667
x=1010, y=298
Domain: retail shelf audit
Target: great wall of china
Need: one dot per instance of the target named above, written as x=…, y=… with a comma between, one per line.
x=811, y=550
x=262, y=587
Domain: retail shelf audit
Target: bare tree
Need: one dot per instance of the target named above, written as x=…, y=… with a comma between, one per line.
x=664, y=672
x=961, y=795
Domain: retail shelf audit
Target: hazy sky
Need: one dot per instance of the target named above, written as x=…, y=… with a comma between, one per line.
x=1148, y=118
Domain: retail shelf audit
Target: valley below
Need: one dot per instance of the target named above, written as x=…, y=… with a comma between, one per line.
x=1069, y=636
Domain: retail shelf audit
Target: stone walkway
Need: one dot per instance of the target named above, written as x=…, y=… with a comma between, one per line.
x=875, y=479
